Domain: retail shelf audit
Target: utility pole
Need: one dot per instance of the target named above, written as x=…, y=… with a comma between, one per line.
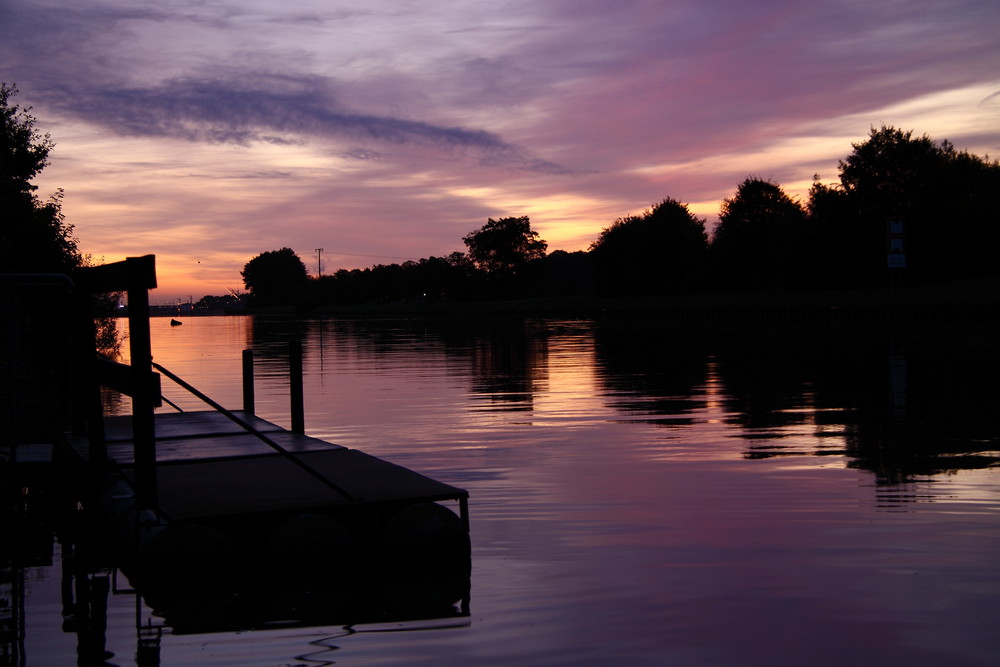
x=319, y=262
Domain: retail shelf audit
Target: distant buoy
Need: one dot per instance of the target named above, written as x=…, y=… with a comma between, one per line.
x=175, y=323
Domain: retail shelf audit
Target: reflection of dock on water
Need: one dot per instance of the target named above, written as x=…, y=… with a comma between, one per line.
x=228, y=521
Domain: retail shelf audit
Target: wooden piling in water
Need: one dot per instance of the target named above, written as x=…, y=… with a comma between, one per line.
x=144, y=432
x=248, y=391
x=295, y=386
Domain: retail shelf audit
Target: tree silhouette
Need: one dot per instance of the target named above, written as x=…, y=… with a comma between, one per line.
x=947, y=200
x=34, y=236
x=275, y=277
x=505, y=245
x=765, y=240
x=845, y=255
x=758, y=241
x=568, y=273
x=660, y=251
x=504, y=249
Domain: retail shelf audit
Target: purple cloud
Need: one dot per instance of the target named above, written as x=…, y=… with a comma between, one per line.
x=423, y=121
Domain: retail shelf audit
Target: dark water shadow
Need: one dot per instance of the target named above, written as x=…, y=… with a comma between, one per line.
x=903, y=403
x=308, y=571
x=651, y=369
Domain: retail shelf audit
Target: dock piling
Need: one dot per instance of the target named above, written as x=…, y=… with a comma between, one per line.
x=142, y=402
x=295, y=386
x=248, y=393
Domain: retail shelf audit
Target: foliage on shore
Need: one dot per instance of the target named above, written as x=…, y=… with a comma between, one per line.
x=905, y=209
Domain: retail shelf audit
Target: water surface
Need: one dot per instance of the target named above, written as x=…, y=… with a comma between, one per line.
x=640, y=494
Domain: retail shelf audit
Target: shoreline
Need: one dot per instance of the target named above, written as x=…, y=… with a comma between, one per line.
x=977, y=301
x=972, y=302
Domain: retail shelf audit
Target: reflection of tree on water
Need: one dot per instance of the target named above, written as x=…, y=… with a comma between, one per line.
x=934, y=412
x=508, y=361
x=507, y=356
x=903, y=408
x=268, y=337
x=766, y=380
x=114, y=403
x=651, y=369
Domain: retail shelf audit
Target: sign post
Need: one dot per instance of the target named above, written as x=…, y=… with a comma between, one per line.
x=897, y=250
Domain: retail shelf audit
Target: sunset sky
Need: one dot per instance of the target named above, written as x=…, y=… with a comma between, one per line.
x=207, y=132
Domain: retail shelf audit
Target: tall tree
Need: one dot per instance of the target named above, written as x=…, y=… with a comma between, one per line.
x=834, y=229
x=660, y=251
x=35, y=358
x=275, y=277
x=504, y=245
x=34, y=236
x=505, y=249
x=947, y=201
x=759, y=239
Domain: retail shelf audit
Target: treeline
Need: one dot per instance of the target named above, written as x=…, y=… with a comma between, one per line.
x=902, y=202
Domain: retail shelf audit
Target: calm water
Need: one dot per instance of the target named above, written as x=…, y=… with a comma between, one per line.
x=639, y=495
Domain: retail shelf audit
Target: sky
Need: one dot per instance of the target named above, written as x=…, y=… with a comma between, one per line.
x=207, y=132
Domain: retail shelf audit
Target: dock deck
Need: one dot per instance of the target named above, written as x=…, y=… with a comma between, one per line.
x=208, y=466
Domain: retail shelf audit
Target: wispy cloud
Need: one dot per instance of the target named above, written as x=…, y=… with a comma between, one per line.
x=275, y=109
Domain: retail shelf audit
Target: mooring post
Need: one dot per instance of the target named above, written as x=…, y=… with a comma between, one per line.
x=141, y=274
x=248, y=395
x=295, y=386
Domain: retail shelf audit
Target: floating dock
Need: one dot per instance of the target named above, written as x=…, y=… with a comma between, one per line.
x=225, y=519
x=208, y=467
x=242, y=536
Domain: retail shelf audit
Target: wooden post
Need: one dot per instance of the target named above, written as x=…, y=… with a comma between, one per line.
x=248, y=395
x=295, y=386
x=140, y=273
x=136, y=275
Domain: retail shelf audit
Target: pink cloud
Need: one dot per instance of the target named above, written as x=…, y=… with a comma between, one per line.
x=388, y=133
